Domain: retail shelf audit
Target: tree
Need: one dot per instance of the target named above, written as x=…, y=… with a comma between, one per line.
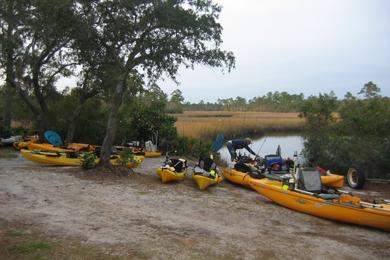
x=318, y=111
x=43, y=56
x=370, y=90
x=88, y=88
x=155, y=37
x=12, y=13
x=175, y=103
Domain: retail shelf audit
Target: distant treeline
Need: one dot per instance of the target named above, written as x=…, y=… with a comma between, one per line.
x=271, y=102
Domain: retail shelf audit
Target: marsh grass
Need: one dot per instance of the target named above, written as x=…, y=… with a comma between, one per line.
x=207, y=124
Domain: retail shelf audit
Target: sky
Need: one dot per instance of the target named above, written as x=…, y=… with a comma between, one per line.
x=298, y=46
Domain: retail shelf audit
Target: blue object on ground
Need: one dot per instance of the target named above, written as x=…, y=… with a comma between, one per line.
x=53, y=138
x=218, y=143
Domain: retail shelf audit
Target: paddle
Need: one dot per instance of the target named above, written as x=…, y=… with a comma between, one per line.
x=218, y=143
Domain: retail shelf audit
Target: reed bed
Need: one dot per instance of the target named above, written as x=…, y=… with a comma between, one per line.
x=207, y=124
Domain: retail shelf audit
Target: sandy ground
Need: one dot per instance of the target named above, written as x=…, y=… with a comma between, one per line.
x=142, y=218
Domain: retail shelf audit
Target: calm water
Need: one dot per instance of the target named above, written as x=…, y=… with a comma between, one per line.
x=289, y=145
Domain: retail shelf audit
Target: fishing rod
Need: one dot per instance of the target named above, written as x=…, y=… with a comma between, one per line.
x=265, y=139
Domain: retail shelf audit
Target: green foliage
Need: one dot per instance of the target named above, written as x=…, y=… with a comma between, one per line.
x=318, y=110
x=370, y=90
x=368, y=117
x=144, y=115
x=175, y=103
x=271, y=102
x=126, y=156
x=29, y=247
x=88, y=160
x=361, y=137
x=191, y=147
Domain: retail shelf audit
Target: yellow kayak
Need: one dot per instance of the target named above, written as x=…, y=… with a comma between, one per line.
x=48, y=147
x=235, y=176
x=242, y=178
x=68, y=148
x=203, y=182
x=69, y=159
x=169, y=174
x=333, y=180
x=152, y=154
x=343, y=207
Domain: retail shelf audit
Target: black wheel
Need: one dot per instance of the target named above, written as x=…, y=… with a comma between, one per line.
x=355, y=178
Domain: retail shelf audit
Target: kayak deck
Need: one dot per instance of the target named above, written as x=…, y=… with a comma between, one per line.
x=344, y=208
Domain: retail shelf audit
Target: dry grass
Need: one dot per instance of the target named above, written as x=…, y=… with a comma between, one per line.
x=206, y=124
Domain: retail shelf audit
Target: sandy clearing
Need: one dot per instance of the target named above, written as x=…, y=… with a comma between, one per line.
x=139, y=214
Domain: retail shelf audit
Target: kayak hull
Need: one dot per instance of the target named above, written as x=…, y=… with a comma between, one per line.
x=152, y=154
x=60, y=159
x=50, y=158
x=235, y=176
x=203, y=182
x=346, y=208
x=167, y=175
x=333, y=180
x=242, y=178
x=47, y=147
x=69, y=147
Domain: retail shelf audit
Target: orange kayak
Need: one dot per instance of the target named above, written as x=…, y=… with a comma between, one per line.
x=242, y=178
x=47, y=147
x=342, y=207
x=71, y=147
x=237, y=177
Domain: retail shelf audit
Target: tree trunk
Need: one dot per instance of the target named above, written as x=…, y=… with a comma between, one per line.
x=112, y=123
x=42, y=126
x=71, y=131
x=72, y=123
x=7, y=113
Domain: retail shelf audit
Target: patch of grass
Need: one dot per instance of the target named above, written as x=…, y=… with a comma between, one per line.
x=29, y=247
x=18, y=241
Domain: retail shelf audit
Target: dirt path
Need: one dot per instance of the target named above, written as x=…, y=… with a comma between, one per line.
x=140, y=217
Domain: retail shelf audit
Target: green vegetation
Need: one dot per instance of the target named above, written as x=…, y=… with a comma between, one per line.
x=88, y=161
x=115, y=49
x=126, y=156
x=29, y=247
x=20, y=242
x=359, y=136
x=271, y=102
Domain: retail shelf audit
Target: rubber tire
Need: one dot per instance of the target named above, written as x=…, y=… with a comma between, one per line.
x=355, y=178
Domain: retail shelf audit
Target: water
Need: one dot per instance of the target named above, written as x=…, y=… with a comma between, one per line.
x=289, y=145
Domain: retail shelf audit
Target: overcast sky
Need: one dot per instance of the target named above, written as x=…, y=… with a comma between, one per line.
x=298, y=46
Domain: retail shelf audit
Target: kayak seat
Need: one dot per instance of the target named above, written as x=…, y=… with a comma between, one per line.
x=179, y=164
x=242, y=167
x=256, y=174
x=207, y=164
x=309, y=179
x=281, y=172
x=276, y=176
